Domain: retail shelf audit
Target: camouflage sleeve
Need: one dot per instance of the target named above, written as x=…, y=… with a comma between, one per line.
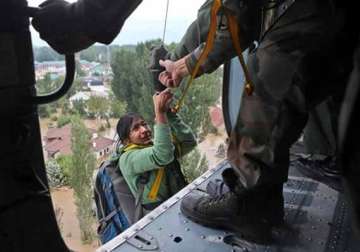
x=247, y=14
x=102, y=20
x=196, y=33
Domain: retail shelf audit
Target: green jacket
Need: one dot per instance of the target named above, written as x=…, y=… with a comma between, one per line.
x=136, y=162
x=249, y=18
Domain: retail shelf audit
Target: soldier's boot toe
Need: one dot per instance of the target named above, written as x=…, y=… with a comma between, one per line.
x=233, y=211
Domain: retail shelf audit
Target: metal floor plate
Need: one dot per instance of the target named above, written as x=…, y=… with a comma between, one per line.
x=317, y=219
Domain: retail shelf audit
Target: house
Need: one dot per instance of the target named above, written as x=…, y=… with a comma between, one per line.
x=102, y=146
x=216, y=116
x=57, y=141
x=79, y=96
x=96, y=86
x=55, y=68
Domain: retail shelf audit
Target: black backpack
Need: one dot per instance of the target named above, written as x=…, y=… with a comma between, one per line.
x=116, y=207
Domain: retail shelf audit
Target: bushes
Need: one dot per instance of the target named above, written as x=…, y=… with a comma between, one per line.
x=65, y=166
x=63, y=120
x=194, y=165
x=55, y=175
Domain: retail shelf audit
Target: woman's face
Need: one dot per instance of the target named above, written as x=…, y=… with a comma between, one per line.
x=140, y=132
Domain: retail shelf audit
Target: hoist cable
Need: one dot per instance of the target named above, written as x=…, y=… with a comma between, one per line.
x=165, y=21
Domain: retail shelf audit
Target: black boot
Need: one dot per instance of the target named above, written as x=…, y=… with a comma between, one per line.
x=325, y=171
x=249, y=213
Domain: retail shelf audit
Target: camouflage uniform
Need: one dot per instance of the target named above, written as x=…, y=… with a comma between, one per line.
x=297, y=64
x=320, y=131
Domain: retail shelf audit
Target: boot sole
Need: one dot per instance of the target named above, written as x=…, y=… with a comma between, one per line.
x=255, y=232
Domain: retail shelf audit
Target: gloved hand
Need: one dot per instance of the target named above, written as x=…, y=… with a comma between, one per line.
x=157, y=53
x=60, y=27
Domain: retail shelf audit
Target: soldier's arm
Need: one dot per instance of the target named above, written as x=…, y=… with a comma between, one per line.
x=193, y=42
x=69, y=28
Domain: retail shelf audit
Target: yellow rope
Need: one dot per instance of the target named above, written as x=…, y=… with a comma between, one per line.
x=159, y=175
x=156, y=185
x=234, y=31
x=208, y=46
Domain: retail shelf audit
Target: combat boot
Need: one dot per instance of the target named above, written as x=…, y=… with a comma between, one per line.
x=274, y=212
x=249, y=213
x=325, y=171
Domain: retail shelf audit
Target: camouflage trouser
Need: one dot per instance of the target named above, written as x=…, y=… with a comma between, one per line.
x=298, y=63
x=320, y=130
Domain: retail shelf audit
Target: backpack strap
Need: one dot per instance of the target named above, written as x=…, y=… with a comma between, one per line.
x=98, y=196
x=142, y=181
x=110, y=215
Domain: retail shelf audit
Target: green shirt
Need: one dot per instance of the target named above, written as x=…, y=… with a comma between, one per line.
x=135, y=162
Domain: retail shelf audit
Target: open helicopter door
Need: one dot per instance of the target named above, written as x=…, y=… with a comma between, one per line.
x=233, y=86
x=27, y=217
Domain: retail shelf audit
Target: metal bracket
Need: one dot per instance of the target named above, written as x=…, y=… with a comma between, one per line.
x=143, y=241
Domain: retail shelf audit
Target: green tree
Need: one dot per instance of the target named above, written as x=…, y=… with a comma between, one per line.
x=82, y=167
x=45, y=85
x=204, y=92
x=65, y=164
x=45, y=53
x=63, y=120
x=79, y=107
x=117, y=107
x=54, y=173
x=193, y=165
x=98, y=106
x=132, y=80
x=78, y=70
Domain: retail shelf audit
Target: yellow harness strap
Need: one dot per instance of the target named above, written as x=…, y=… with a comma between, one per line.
x=159, y=175
x=208, y=46
x=156, y=185
x=234, y=31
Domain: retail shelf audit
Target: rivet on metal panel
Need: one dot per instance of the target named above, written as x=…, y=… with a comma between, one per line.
x=160, y=228
x=171, y=235
x=186, y=221
x=187, y=229
x=140, y=246
x=202, y=236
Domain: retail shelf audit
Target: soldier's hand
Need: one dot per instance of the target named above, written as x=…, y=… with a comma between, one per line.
x=174, y=72
x=59, y=27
